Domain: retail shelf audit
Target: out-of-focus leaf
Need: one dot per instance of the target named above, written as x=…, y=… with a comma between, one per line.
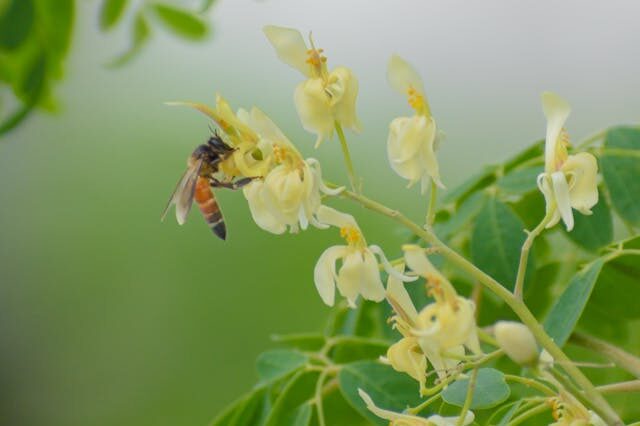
x=509, y=414
x=464, y=215
x=140, y=35
x=55, y=24
x=350, y=349
x=566, y=312
x=594, y=231
x=206, y=5
x=338, y=411
x=527, y=155
x=33, y=84
x=476, y=182
x=288, y=409
x=301, y=341
x=181, y=22
x=491, y=389
x=496, y=242
x=622, y=171
x=530, y=208
x=388, y=388
x=520, y=181
x=111, y=12
x=275, y=364
x=247, y=411
x=16, y=23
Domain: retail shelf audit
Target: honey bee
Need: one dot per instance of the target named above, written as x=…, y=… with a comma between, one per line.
x=197, y=181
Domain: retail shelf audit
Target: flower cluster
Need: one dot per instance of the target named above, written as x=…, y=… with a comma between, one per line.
x=287, y=193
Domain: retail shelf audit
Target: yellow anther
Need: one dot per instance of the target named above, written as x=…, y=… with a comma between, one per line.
x=351, y=235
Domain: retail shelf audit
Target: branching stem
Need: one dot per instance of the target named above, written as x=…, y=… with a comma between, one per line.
x=596, y=400
x=524, y=253
x=467, y=400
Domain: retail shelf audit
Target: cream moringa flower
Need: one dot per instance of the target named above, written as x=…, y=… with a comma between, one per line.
x=405, y=356
x=289, y=195
x=359, y=274
x=568, y=411
x=568, y=181
x=400, y=419
x=325, y=97
x=412, y=140
x=445, y=327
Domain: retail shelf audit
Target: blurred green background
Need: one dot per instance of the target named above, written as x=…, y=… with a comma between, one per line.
x=108, y=316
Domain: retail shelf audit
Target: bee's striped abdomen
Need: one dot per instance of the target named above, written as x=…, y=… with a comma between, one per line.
x=209, y=207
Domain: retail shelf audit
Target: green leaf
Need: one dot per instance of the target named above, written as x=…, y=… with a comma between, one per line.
x=339, y=412
x=355, y=348
x=464, y=215
x=388, y=389
x=476, y=182
x=491, y=389
x=247, y=411
x=622, y=172
x=593, y=231
x=288, y=409
x=566, y=312
x=111, y=12
x=181, y=22
x=140, y=35
x=504, y=421
x=520, y=181
x=16, y=23
x=275, y=364
x=206, y=5
x=496, y=242
x=529, y=154
x=618, y=288
x=301, y=341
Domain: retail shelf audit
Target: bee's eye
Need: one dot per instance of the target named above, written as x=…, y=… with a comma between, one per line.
x=433, y=318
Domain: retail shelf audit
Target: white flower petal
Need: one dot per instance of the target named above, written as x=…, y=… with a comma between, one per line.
x=314, y=110
x=563, y=200
x=416, y=259
x=315, y=166
x=371, y=287
x=402, y=76
x=335, y=218
x=290, y=47
x=324, y=273
x=351, y=277
x=584, y=185
x=400, y=297
x=550, y=202
x=259, y=211
x=517, y=341
x=344, y=99
x=556, y=110
x=388, y=267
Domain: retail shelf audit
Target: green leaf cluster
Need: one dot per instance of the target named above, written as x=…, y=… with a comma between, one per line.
x=34, y=41
x=179, y=21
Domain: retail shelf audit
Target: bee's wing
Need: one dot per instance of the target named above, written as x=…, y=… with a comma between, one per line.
x=182, y=195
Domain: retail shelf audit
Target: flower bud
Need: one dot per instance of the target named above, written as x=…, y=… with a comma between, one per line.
x=517, y=341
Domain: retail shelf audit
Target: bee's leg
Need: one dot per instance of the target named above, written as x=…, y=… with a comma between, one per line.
x=232, y=185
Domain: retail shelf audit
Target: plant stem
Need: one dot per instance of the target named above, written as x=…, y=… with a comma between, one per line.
x=622, y=387
x=431, y=209
x=467, y=400
x=529, y=413
x=618, y=356
x=318, y=398
x=598, y=403
x=591, y=139
x=524, y=253
x=418, y=408
x=531, y=383
x=347, y=158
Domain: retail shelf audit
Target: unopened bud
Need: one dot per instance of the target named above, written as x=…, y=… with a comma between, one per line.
x=516, y=341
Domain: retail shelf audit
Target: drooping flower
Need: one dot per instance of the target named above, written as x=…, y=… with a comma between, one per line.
x=401, y=419
x=289, y=195
x=568, y=181
x=445, y=327
x=517, y=341
x=412, y=140
x=359, y=274
x=405, y=356
x=325, y=97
